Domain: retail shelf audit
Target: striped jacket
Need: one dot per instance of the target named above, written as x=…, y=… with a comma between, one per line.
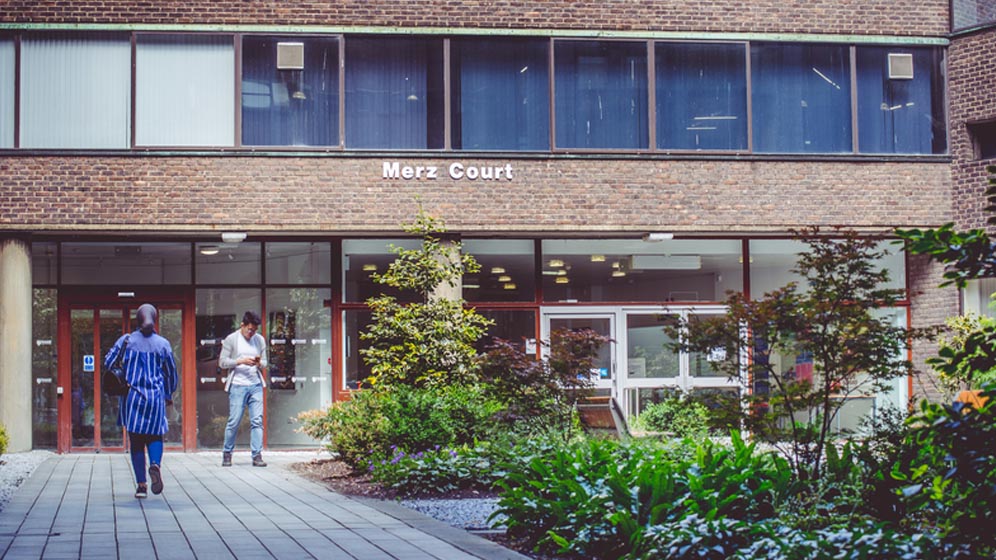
x=150, y=370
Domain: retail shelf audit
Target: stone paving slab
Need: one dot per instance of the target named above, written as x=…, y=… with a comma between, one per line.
x=83, y=506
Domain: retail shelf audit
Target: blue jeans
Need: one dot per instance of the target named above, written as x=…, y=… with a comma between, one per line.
x=238, y=397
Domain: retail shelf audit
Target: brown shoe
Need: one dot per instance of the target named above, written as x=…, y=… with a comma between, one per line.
x=257, y=461
x=226, y=459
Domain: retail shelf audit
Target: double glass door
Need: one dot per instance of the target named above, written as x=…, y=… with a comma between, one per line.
x=93, y=330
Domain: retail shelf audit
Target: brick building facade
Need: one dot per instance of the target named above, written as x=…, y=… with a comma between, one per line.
x=55, y=201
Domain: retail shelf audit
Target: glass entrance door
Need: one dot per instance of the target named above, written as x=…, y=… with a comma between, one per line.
x=603, y=373
x=93, y=330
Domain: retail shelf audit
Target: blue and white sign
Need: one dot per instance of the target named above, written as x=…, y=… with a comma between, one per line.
x=88, y=363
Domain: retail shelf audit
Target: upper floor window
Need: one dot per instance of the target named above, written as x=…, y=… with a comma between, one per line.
x=966, y=14
x=701, y=96
x=501, y=94
x=6, y=93
x=184, y=90
x=76, y=91
x=801, y=98
x=900, y=101
x=394, y=93
x=601, y=94
x=290, y=91
x=983, y=139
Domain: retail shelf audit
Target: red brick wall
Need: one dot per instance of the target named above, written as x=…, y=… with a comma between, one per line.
x=972, y=97
x=879, y=17
x=931, y=305
x=350, y=194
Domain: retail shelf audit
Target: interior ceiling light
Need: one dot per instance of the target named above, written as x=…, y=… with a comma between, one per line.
x=209, y=250
x=561, y=272
x=369, y=267
x=504, y=278
x=233, y=236
x=598, y=258
x=616, y=264
x=556, y=263
x=562, y=280
x=618, y=273
x=497, y=270
x=509, y=286
x=658, y=236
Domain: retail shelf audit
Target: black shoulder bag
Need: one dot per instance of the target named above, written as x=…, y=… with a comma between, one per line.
x=113, y=380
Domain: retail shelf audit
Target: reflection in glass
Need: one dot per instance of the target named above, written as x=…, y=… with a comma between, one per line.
x=356, y=371
x=801, y=98
x=228, y=263
x=677, y=270
x=514, y=326
x=363, y=257
x=219, y=313
x=290, y=107
x=7, y=93
x=44, y=373
x=112, y=326
x=701, y=96
x=82, y=405
x=171, y=328
x=507, y=270
x=648, y=353
x=44, y=258
x=298, y=263
x=133, y=264
x=300, y=351
x=394, y=93
x=501, y=94
x=601, y=94
x=602, y=366
x=699, y=364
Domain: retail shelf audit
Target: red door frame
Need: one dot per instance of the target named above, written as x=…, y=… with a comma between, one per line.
x=111, y=297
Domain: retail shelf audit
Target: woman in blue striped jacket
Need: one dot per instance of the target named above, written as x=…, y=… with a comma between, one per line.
x=150, y=371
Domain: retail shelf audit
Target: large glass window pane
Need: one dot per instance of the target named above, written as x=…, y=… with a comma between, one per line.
x=121, y=264
x=676, y=270
x=394, y=93
x=76, y=91
x=648, y=350
x=219, y=313
x=171, y=328
x=507, y=270
x=601, y=94
x=501, y=94
x=900, y=115
x=772, y=261
x=6, y=93
x=355, y=322
x=300, y=370
x=801, y=98
x=290, y=107
x=701, y=364
x=44, y=269
x=228, y=263
x=518, y=327
x=82, y=409
x=44, y=373
x=184, y=91
x=298, y=263
x=364, y=257
x=701, y=96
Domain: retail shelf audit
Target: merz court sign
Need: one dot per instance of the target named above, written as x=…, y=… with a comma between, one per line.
x=458, y=171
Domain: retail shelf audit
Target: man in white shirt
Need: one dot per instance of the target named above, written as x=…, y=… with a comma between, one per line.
x=243, y=353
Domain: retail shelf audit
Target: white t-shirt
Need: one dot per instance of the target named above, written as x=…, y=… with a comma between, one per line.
x=243, y=374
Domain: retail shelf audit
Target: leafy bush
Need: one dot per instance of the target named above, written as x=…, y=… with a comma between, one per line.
x=865, y=541
x=951, y=482
x=4, y=439
x=598, y=497
x=678, y=415
x=403, y=417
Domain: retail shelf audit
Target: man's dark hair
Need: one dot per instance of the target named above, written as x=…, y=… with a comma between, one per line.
x=251, y=318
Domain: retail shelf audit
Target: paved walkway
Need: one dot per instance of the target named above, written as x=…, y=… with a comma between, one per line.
x=83, y=506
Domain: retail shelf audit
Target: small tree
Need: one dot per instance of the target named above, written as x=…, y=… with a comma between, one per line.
x=432, y=340
x=832, y=323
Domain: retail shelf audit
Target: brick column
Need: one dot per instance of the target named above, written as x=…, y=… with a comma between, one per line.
x=15, y=342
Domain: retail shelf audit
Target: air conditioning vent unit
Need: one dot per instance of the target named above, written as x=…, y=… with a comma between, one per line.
x=900, y=66
x=290, y=56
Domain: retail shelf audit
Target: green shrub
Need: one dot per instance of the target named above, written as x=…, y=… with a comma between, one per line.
x=951, y=482
x=598, y=497
x=367, y=426
x=678, y=415
x=4, y=440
